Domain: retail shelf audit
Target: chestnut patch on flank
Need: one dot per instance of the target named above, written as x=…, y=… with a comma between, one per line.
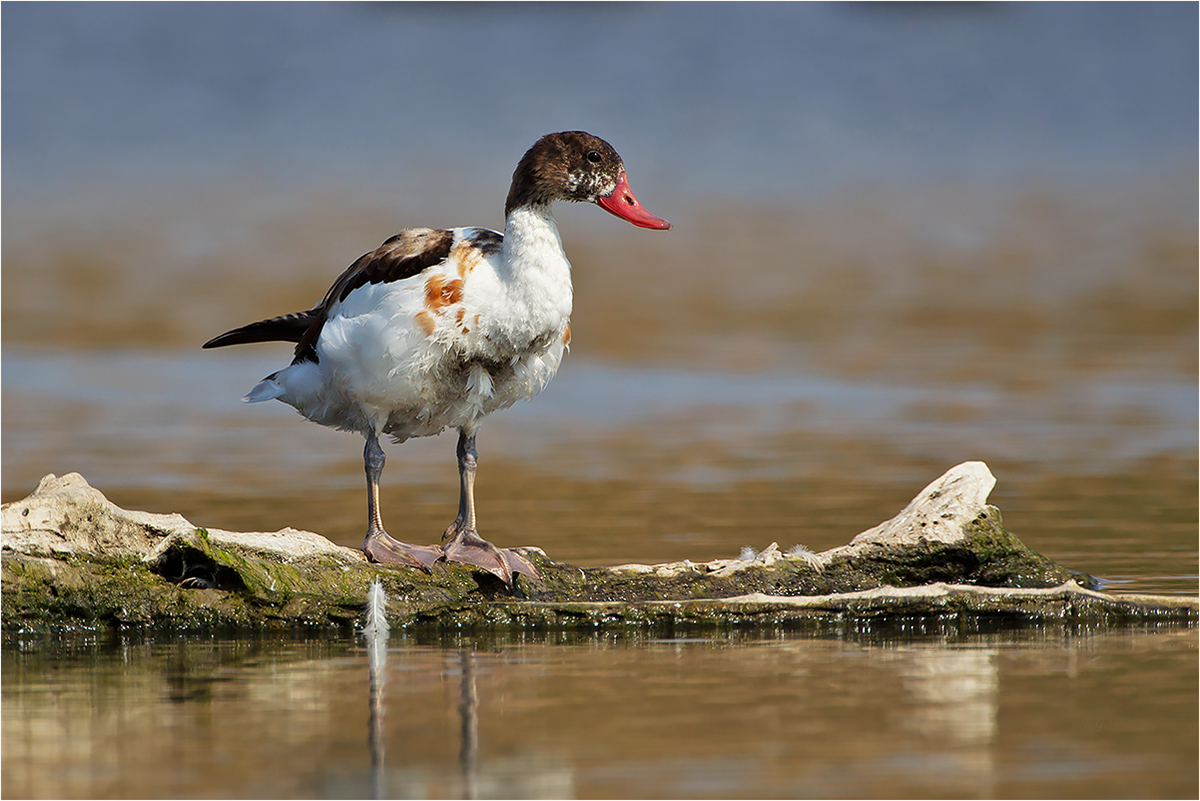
x=425, y=320
x=468, y=253
x=440, y=293
x=466, y=256
x=566, y=337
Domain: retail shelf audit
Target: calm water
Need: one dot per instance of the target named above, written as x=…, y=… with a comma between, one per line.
x=883, y=713
x=614, y=464
x=905, y=237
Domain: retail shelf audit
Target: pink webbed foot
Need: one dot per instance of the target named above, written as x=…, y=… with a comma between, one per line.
x=468, y=548
x=381, y=547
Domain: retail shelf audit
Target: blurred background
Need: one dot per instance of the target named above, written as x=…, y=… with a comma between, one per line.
x=905, y=236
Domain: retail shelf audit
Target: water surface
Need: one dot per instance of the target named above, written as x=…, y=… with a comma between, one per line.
x=898, y=712
x=906, y=236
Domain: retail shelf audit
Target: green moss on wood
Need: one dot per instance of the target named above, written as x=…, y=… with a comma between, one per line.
x=200, y=585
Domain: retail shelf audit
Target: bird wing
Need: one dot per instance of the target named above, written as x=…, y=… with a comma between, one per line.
x=404, y=255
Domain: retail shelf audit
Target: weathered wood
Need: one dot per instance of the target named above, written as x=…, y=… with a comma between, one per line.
x=72, y=558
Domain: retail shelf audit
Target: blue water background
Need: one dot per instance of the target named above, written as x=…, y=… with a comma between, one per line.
x=743, y=100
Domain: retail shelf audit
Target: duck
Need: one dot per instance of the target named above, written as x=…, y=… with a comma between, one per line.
x=437, y=328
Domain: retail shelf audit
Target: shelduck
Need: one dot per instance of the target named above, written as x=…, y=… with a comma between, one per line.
x=438, y=328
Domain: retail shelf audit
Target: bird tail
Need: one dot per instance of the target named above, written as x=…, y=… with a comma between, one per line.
x=285, y=328
x=265, y=390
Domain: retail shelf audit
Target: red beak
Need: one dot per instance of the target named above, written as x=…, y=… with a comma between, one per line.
x=623, y=204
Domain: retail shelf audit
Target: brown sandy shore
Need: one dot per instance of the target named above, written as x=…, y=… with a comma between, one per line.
x=71, y=558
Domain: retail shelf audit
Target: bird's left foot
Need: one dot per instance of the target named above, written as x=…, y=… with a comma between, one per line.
x=379, y=546
x=465, y=546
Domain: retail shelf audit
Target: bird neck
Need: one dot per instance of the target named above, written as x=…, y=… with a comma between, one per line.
x=532, y=243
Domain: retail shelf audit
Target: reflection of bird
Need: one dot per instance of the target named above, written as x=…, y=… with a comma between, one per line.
x=438, y=328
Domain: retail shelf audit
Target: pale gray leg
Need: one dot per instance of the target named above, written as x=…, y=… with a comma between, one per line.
x=461, y=542
x=379, y=546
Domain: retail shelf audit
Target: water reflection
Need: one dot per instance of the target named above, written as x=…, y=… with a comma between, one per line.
x=954, y=699
x=953, y=693
x=468, y=708
x=879, y=713
x=376, y=633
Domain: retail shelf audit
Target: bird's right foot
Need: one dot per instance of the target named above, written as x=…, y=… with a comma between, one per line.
x=381, y=547
x=465, y=546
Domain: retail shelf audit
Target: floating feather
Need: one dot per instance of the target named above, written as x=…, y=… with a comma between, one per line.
x=376, y=632
x=377, y=624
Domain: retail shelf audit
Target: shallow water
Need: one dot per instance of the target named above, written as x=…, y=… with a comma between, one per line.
x=906, y=236
x=615, y=464
x=896, y=712
x=804, y=402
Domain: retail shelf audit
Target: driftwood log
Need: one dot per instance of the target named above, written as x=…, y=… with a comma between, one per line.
x=72, y=558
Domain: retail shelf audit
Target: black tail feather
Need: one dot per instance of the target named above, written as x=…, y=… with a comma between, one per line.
x=286, y=328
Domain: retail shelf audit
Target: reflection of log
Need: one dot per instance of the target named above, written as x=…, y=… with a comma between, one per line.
x=71, y=556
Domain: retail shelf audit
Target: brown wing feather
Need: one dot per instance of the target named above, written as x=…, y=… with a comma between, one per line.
x=285, y=328
x=406, y=254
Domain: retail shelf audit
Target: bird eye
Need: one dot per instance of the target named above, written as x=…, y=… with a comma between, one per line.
x=594, y=156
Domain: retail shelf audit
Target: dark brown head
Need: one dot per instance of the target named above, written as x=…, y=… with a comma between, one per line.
x=577, y=166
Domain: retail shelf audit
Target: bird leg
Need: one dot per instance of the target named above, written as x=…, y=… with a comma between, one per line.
x=461, y=542
x=379, y=546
